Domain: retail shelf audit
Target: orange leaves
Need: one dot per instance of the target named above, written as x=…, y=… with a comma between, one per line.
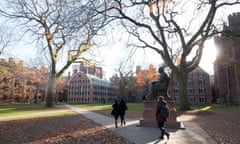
x=145, y=77
x=68, y=129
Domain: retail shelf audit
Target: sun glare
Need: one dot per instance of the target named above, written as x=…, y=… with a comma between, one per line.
x=209, y=56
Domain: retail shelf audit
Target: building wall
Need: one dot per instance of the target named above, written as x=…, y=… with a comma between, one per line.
x=199, y=89
x=227, y=71
x=19, y=83
x=83, y=88
x=79, y=89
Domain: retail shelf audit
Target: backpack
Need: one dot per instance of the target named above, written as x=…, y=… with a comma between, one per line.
x=164, y=111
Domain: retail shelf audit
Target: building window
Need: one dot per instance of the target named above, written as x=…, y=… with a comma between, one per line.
x=190, y=82
x=190, y=74
x=175, y=83
x=191, y=99
x=202, y=99
x=201, y=82
x=176, y=90
x=200, y=74
x=177, y=99
x=202, y=90
x=190, y=90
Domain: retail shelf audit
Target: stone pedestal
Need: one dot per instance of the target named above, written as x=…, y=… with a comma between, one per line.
x=149, y=111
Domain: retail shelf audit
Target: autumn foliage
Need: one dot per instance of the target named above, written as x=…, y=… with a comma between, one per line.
x=145, y=77
x=19, y=83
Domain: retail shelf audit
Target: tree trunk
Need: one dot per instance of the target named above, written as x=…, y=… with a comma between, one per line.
x=50, y=92
x=36, y=94
x=184, y=104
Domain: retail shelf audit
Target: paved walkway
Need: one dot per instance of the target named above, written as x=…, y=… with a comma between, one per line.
x=192, y=134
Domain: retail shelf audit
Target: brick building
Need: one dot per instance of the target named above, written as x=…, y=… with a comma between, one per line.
x=86, y=88
x=226, y=66
x=198, y=87
x=93, y=70
x=19, y=83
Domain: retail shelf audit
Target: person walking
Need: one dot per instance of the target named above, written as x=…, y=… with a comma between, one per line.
x=115, y=112
x=122, y=109
x=162, y=113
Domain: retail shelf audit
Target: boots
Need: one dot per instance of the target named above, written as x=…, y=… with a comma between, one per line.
x=116, y=124
x=168, y=135
x=164, y=132
x=123, y=122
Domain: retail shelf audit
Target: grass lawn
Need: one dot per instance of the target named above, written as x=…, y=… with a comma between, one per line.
x=137, y=108
x=211, y=107
x=17, y=111
x=134, y=107
x=107, y=108
x=26, y=111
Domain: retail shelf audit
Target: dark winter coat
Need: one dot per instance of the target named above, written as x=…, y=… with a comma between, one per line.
x=115, y=109
x=158, y=111
x=122, y=107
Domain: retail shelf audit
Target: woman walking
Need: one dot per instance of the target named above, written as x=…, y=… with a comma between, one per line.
x=115, y=112
x=122, y=109
x=162, y=113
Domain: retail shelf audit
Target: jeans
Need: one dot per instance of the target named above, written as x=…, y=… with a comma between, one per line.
x=163, y=130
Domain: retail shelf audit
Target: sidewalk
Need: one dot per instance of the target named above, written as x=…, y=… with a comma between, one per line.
x=192, y=134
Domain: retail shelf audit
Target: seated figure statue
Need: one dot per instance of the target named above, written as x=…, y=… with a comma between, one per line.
x=160, y=87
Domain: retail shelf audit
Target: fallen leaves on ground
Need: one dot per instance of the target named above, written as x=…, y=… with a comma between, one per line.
x=71, y=129
x=223, y=126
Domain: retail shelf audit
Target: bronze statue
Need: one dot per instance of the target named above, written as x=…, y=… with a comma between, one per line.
x=160, y=87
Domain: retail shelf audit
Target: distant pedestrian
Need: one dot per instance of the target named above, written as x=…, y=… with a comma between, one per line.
x=115, y=112
x=162, y=113
x=122, y=109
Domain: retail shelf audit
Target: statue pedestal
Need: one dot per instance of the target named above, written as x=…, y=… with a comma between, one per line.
x=149, y=115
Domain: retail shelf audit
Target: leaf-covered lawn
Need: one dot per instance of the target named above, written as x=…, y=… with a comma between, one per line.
x=70, y=129
x=222, y=123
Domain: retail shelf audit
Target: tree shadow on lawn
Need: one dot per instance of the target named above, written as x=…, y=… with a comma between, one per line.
x=12, y=109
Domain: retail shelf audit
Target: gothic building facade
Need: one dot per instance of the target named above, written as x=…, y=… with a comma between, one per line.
x=227, y=64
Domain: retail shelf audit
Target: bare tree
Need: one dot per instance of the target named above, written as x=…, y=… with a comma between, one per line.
x=175, y=29
x=124, y=78
x=63, y=28
x=4, y=40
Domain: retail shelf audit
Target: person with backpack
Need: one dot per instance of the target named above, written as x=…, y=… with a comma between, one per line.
x=162, y=113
